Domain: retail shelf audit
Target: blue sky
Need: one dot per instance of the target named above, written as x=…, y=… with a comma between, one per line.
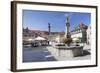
x=38, y=20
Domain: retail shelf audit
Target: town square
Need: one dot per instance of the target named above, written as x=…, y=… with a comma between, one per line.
x=56, y=36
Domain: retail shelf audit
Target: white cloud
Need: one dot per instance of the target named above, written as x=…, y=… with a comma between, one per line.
x=68, y=14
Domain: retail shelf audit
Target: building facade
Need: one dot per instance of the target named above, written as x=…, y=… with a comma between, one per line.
x=89, y=35
x=79, y=32
x=50, y=36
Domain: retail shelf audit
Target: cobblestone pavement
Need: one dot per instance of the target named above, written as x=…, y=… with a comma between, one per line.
x=37, y=54
x=41, y=54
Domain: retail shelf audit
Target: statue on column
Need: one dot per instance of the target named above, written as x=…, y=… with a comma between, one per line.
x=67, y=39
x=49, y=28
x=67, y=33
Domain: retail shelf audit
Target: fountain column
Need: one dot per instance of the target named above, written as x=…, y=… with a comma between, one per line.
x=67, y=33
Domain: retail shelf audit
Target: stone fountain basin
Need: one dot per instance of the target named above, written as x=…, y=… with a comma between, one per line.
x=69, y=51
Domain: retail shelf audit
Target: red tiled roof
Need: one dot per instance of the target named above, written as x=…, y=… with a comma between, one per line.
x=80, y=27
x=38, y=32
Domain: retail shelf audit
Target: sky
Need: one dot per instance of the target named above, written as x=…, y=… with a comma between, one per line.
x=38, y=20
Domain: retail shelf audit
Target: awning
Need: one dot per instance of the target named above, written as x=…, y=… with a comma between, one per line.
x=39, y=38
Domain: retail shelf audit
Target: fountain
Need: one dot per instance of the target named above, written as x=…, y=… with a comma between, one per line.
x=68, y=50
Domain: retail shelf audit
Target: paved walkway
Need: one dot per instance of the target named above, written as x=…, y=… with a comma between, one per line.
x=37, y=54
x=45, y=53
